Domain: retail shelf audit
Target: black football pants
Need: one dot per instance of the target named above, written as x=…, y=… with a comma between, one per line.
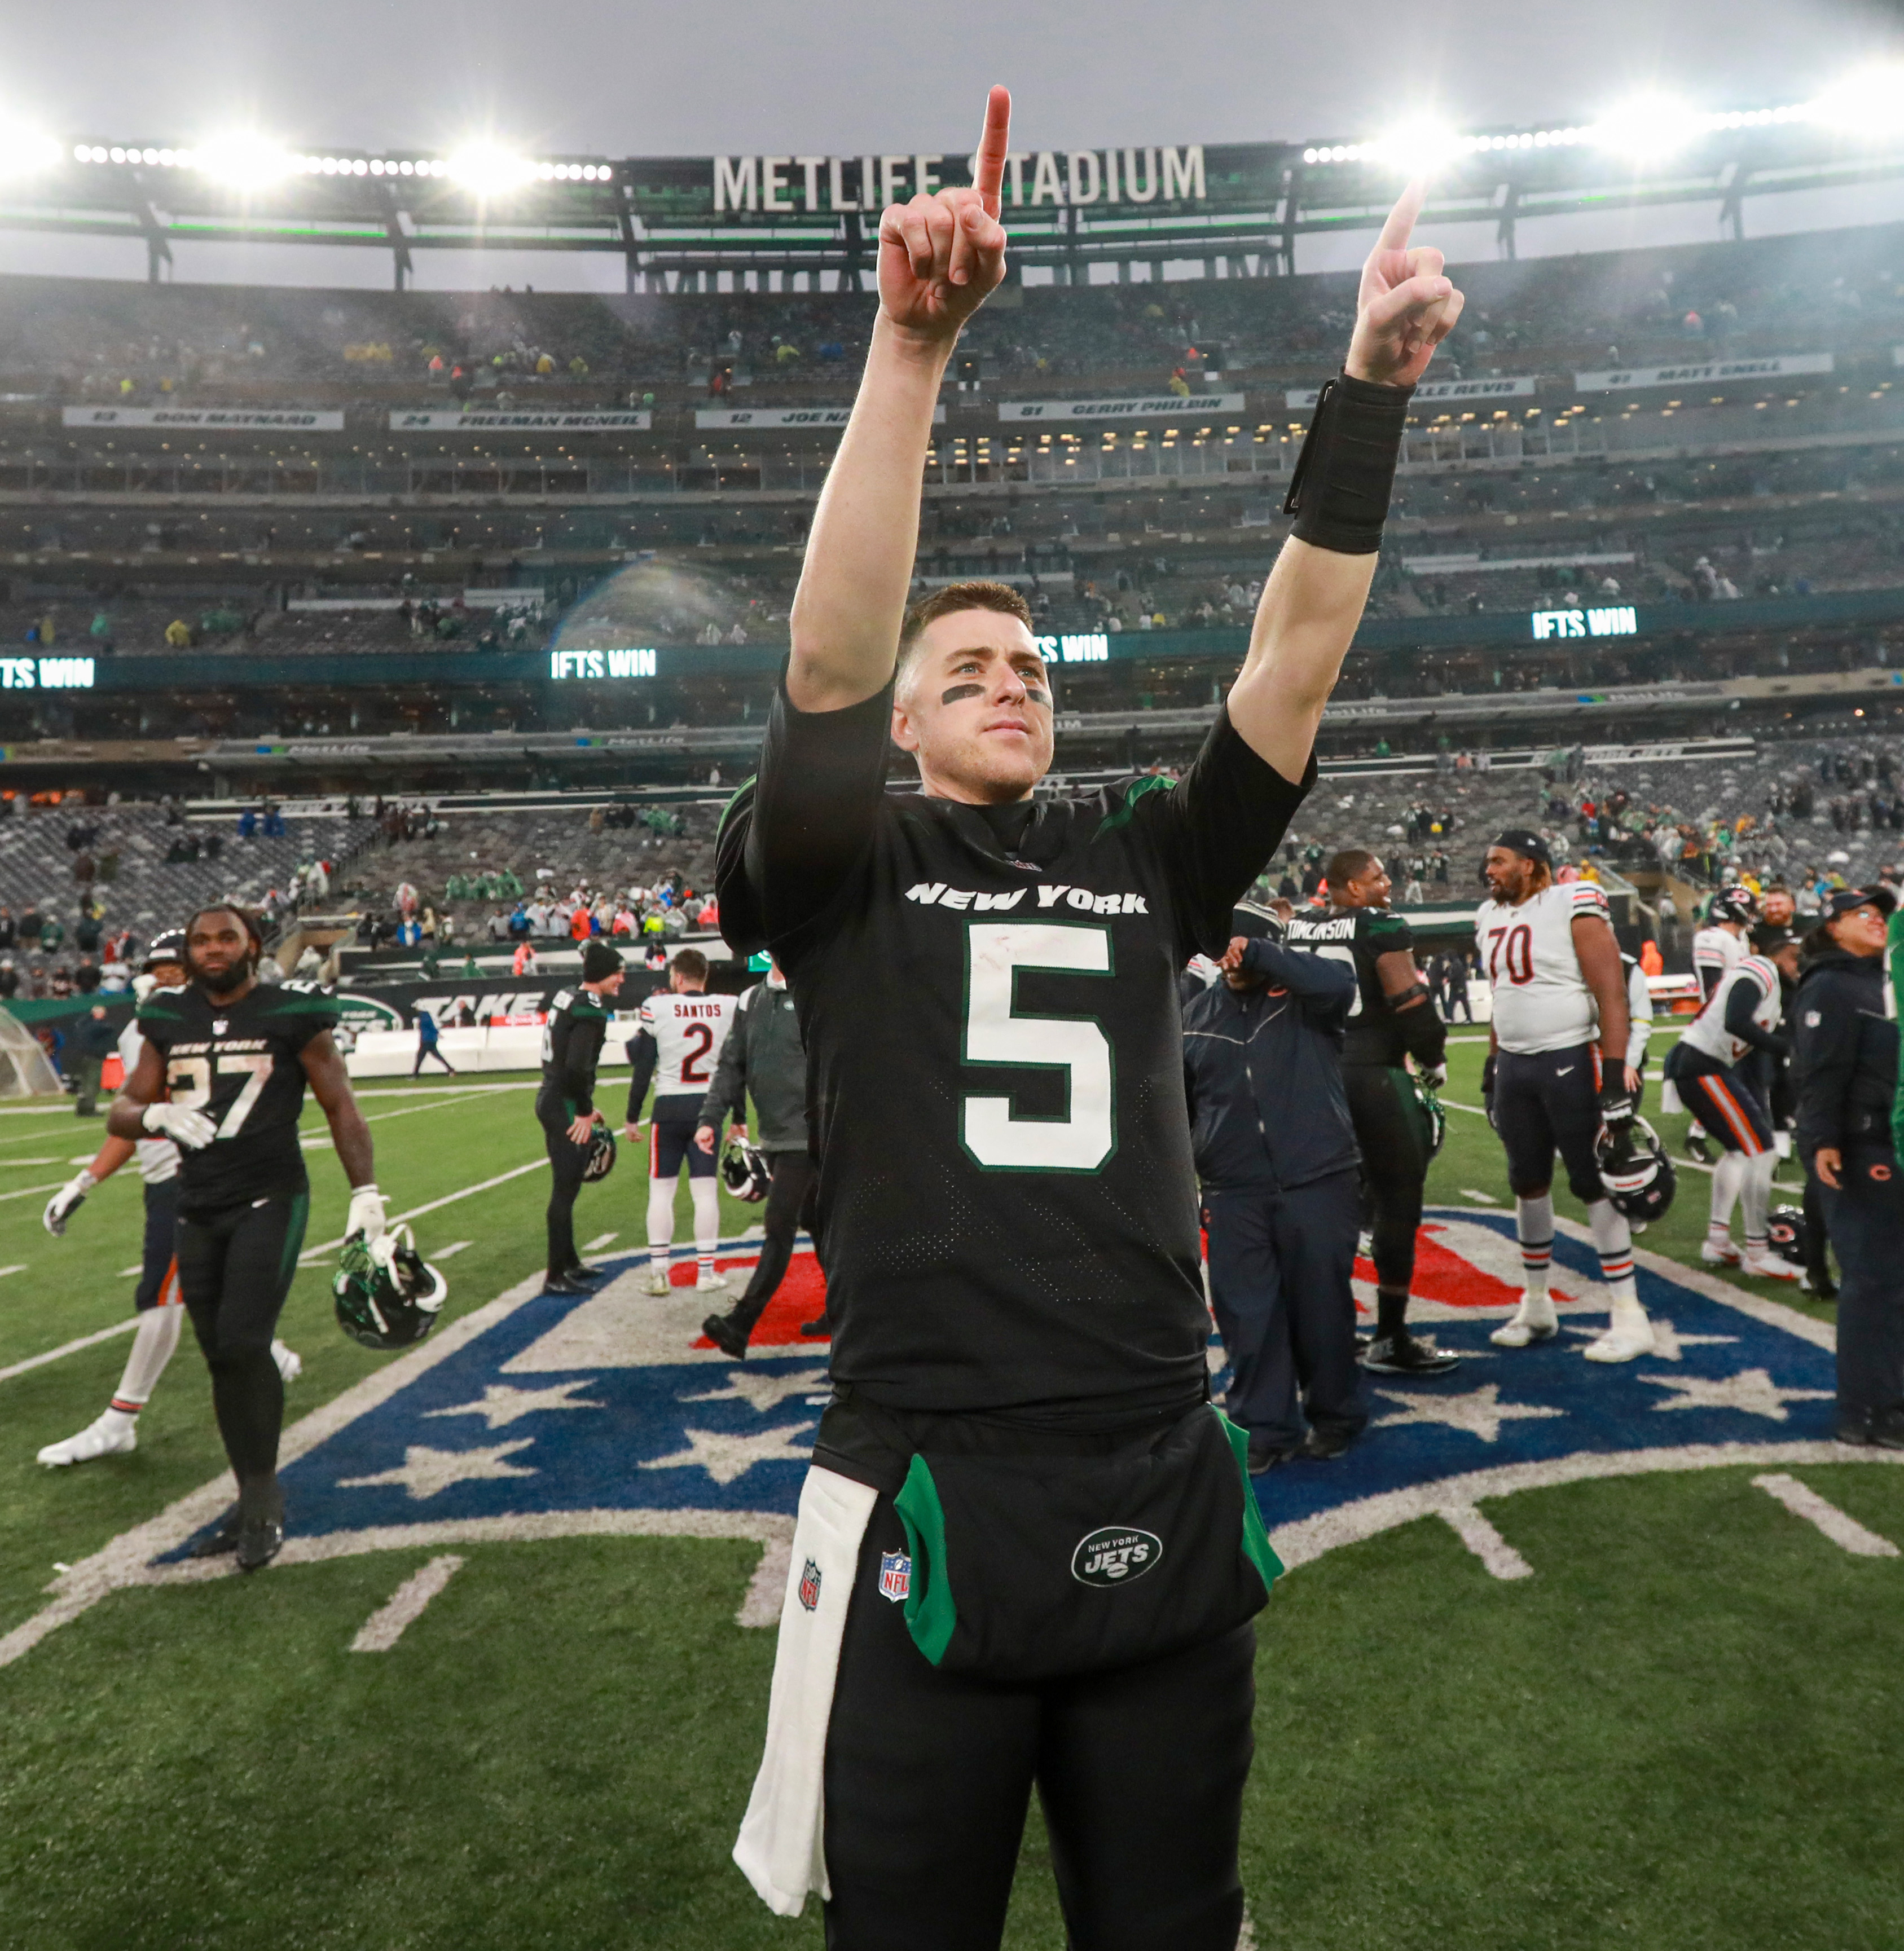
x=1392, y=1135
x=928, y=1774
x=1281, y=1268
x=790, y=1193
x=567, y=1162
x=235, y=1269
x=1866, y=1218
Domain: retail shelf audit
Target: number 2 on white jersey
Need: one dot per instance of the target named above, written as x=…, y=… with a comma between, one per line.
x=1085, y=1135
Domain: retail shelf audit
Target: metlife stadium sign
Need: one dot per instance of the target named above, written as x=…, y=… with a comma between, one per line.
x=45, y=673
x=1068, y=179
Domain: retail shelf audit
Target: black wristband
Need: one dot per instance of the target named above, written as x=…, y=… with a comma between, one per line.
x=1338, y=492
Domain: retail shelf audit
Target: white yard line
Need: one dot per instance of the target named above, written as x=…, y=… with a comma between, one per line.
x=418, y=1212
x=450, y=1090
x=454, y=1246
x=67, y=1347
x=320, y=1141
x=27, y=1191
x=600, y=1241
x=1487, y=1544
x=1804, y=1502
x=1479, y=1198
x=385, y=1626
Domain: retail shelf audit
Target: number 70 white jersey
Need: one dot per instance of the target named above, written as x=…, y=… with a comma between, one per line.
x=1541, y=1000
x=688, y=1030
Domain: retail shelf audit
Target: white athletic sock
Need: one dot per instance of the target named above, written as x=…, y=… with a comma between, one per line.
x=707, y=1219
x=156, y=1337
x=1533, y=1222
x=1728, y=1175
x=661, y=1220
x=1613, y=1241
x=1756, y=1198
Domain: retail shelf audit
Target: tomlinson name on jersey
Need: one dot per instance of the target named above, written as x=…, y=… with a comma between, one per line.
x=931, y=894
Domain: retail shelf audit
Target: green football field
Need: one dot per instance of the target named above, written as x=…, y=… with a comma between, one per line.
x=1681, y=1733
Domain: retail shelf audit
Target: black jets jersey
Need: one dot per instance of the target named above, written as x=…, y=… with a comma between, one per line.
x=1008, y=1210
x=237, y=1062
x=1356, y=938
x=572, y=1039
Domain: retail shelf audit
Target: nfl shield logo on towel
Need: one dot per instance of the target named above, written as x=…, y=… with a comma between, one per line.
x=895, y=1575
x=810, y=1585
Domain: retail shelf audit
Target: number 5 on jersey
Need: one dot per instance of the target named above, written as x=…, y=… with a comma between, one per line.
x=1082, y=1137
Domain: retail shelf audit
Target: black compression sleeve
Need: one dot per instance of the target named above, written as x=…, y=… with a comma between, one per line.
x=1425, y=1035
x=1217, y=831
x=1338, y=492
x=642, y=1056
x=791, y=842
x=1739, y=1022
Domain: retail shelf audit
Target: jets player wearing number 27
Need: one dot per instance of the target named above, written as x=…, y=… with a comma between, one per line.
x=1007, y=1212
x=1558, y=1076
x=222, y=1075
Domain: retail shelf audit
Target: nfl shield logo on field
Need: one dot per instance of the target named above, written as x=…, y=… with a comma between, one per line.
x=810, y=1585
x=895, y=1575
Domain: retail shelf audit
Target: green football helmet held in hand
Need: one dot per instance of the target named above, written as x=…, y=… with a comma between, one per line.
x=386, y=1295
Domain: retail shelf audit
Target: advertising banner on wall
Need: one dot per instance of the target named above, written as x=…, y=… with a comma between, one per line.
x=785, y=416
x=490, y=419
x=1706, y=371
x=271, y=419
x=1156, y=406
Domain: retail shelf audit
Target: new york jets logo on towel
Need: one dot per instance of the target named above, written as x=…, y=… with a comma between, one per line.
x=1114, y=1555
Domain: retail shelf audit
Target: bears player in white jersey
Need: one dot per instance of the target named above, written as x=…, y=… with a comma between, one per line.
x=157, y=1300
x=676, y=1048
x=1718, y=945
x=1557, y=1075
x=1707, y=1067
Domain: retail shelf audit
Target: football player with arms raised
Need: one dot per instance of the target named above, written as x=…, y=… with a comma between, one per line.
x=223, y=1074
x=1557, y=1075
x=986, y=988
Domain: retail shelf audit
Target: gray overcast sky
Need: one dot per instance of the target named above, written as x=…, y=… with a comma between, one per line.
x=852, y=76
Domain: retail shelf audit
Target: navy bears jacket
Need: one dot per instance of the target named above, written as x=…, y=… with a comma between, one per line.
x=1263, y=1071
x=1847, y=1058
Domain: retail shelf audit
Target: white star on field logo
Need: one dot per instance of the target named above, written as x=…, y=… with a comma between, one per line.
x=1480, y=1413
x=1752, y=1391
x=502, y=1405
x=724, y=1458
x=424, y=1471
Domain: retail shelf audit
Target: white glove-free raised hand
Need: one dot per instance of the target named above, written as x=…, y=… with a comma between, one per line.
x=66, y=1202
x=191, y=1129
x=366, y=1214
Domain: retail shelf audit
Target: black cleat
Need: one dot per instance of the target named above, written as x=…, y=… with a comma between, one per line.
x=562, y=1283
x=1883, y=1431
x=259, y=1542
x=1321, y=1446
x=1264, y=1457
x=1697, y=1147
x=224, y=1539
x=1402, y=1354
x=726, y=1336
x=579, y=1272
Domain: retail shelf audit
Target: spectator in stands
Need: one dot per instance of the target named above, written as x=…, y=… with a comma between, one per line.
x=85, y=977
x=9, y=978
x=524, y=962
x=178, y=634
x=52, y=934
x=497, y=927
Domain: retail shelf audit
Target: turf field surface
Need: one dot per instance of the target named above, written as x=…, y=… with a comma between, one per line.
x=1677, y=1731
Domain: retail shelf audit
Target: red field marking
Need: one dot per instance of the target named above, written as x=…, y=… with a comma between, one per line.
x=802, y=1296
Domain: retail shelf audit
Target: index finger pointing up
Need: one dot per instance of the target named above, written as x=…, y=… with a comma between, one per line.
x=1401, y=220
x=988, y=176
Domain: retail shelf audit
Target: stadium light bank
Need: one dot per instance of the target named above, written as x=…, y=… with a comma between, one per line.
x=1866, y=104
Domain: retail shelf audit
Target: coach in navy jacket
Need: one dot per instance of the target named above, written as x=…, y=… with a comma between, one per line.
x=1276, y=1155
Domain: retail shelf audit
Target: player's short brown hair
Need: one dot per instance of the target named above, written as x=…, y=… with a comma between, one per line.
x=1347, y=865
x=999, y=597
x=691, y=963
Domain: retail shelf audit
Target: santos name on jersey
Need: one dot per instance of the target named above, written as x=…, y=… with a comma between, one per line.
x=1359, y=937
x=1707, y=1032
x=237, y=1062
x=1541, y=1000
x=988, y=998
x=687, y=1032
